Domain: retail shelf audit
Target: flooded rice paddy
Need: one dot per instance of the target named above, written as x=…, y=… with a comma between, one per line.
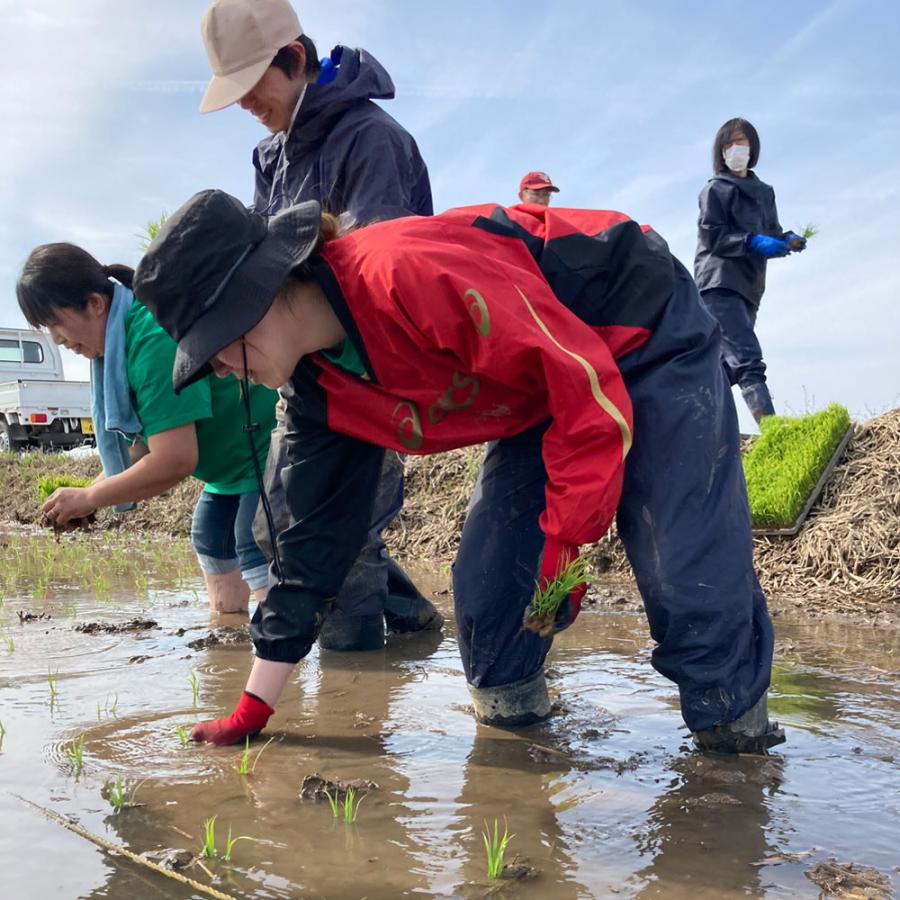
x=605, y=800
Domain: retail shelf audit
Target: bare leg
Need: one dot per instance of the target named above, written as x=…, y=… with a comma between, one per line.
x=227, y=592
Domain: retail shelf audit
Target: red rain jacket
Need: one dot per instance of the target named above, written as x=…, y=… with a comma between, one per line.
x=472, y=325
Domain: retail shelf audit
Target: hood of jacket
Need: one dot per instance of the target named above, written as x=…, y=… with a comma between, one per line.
x=750, y=185
x=360, y=77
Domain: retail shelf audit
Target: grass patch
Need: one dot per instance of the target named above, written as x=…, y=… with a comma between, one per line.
x=785, y=463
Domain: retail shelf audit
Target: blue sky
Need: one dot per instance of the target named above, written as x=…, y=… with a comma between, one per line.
x=619, y=102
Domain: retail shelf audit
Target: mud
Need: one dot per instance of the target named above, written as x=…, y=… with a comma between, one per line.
x=115, y=627
x=606, y=799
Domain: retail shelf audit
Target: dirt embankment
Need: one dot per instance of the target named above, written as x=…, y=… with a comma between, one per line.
x=845, y=560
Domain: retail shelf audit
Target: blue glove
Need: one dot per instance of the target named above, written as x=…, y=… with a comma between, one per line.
x=796, y=244
x=767, y=246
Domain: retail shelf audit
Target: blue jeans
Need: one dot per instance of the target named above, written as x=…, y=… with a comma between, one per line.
x=683, y=518
x=222, y=536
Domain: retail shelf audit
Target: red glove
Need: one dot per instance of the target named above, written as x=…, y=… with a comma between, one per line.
x=558, y=555
x=249, y=718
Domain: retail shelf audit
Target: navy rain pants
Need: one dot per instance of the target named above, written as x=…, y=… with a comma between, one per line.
x=683, y=518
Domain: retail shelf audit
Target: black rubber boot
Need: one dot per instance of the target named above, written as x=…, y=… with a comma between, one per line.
x=512, y=705
x=752, y=732
x=405, y=609
x=347, y=633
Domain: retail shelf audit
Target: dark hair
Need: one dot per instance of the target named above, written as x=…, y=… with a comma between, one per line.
x=286, y=60
x=62, y=276
x=723, y=136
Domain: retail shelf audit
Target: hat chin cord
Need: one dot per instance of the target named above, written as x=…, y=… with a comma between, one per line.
x=250, y=428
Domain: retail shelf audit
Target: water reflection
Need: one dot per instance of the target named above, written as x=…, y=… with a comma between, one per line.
x=705, y=832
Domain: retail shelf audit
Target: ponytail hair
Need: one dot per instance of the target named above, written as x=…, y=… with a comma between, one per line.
x=63, y=276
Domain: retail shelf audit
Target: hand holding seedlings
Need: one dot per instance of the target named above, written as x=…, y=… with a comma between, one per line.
x=797, y=242
x=559, y=592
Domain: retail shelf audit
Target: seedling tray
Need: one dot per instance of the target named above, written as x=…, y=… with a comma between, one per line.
x=794, y=527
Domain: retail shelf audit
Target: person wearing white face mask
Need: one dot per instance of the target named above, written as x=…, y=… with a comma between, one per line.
x=738, y=232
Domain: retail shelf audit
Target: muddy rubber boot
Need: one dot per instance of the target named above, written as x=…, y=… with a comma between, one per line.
x=349, y=633
x=512, y=705
x=405, y=609
x=758, y=400
x=752, y=732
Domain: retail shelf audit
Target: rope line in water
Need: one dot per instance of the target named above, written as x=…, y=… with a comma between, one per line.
x=124, y=851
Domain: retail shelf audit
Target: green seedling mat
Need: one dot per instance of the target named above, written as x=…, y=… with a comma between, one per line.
x=794, y=527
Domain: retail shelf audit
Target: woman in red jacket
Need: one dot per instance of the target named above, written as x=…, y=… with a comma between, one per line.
x=573, y=341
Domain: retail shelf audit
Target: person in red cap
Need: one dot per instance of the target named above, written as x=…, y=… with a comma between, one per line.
x=536, y=187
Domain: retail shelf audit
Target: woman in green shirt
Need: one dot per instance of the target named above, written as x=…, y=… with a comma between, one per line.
x=197, y=432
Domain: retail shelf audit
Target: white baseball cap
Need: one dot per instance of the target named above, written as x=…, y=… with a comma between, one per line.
x=242, y=38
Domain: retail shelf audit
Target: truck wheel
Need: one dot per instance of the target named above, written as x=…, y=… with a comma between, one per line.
x=7, y=444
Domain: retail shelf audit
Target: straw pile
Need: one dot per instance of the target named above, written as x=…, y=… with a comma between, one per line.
x=846, y=557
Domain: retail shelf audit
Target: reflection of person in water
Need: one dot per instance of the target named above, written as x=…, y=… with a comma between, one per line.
x=485, y=796
x=574, y=340
x=344, y=734
x=717, y=808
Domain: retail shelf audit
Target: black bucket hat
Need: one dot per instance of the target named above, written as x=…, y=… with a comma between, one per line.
x=212, y=272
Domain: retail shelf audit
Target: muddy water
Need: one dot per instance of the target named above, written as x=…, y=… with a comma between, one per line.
x=607, y=800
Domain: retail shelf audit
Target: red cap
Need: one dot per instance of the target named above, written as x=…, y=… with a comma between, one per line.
x=536, y=181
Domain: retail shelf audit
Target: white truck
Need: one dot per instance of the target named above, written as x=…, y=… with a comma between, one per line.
x=38, y=407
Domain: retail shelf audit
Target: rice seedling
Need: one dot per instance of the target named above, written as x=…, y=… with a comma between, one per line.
x=809, y=231
x=784, y=465
x=209, y=838
x=348, y=807
x=182, y=733
x=74, y=754
x=495, y=845
x=151, y=230
x=195, y=685
x=47, y=484
x=231, y=841
x=119, y=795
x=9, y=643
x=540, y=616
x=51, y=683
x=244, y=767
x=2, y=734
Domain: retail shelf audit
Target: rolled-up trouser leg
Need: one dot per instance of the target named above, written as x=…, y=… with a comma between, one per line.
x=685, y=521
x=356, y=619
x=493, y=581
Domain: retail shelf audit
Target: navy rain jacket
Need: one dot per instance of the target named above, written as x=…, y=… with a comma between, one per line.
x=731, y=209
x=344, y=150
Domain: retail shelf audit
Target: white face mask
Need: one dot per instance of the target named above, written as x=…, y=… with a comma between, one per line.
x=736, y=157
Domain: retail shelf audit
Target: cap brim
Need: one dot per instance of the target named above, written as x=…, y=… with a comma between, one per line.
x=223, y=90
x=249, y=292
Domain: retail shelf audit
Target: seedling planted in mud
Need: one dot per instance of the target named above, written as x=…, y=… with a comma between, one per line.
x=244, y=767
x=541, y=614
x=195, y=685
x=182, y=735
x=74, y=754
x=51, y=682
x=209, y=838
x=119, y=795
x=495, y=844
x=348, y=806
x=2, y=734
x=10, y=643
x=231, y=841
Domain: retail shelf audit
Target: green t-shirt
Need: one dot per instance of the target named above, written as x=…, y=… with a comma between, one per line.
x=213, y=404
